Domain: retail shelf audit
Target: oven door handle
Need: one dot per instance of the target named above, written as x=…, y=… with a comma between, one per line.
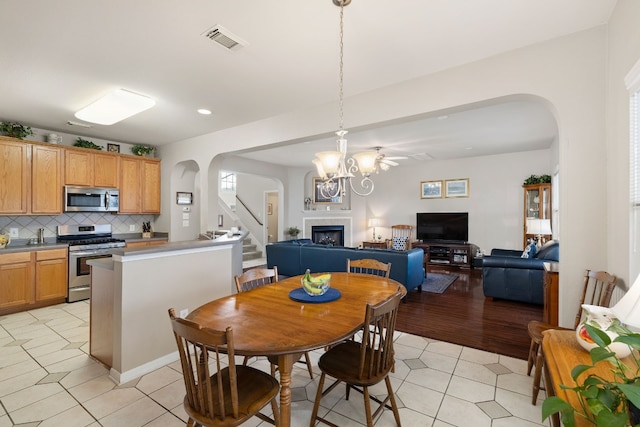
x=89, y=253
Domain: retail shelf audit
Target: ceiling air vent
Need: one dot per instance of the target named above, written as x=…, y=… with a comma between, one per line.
x=224, y=38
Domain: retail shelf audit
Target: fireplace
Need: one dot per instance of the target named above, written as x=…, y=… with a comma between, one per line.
x=332, y=235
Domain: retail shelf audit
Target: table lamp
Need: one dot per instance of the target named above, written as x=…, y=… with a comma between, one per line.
x=374, y=222
x=539, y=227
x=627, y=310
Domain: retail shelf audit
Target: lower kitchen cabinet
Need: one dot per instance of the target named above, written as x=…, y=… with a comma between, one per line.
x=51, y=274
x=16, y=281
x=139, y=243
x=32, y=279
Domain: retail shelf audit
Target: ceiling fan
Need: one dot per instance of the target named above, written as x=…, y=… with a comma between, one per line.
x=383, y=162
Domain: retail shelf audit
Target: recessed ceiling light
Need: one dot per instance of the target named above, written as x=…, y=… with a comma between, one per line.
x=204, y=111
x=114, y=107
x=468, y=148
x=443, y=117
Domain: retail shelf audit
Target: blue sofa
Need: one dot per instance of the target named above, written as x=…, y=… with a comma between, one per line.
x=293, y=257
x=505, y=275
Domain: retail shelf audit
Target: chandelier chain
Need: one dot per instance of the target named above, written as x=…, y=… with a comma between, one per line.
x=341, y=73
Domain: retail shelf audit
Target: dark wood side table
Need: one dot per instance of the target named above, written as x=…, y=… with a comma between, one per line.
x=550, y=289
x=381, y=244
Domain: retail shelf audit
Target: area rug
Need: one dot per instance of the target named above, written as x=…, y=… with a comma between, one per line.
x=437, y=283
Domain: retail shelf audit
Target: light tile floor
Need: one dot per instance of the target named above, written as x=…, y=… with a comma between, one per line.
x=48, y=379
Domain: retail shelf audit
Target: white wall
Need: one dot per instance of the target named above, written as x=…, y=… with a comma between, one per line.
x=623, y=53
x=567, y=73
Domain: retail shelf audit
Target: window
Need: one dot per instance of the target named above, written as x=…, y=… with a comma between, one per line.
x=632, y=82
x=227, y=181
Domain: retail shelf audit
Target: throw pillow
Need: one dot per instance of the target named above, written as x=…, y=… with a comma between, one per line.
x=529, y=251
x=399, y=243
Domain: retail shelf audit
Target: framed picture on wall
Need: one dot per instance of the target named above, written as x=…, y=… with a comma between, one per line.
x=320, y=198
x=269, y=208
x=457, y=187
x=431, y=189
x=113, y=148
x=184, y=198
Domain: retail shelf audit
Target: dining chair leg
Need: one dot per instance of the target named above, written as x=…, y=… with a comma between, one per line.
x=276, y=412
x=536, y=377
x=392, y=399
x=533, y=351
x=309, y=368
x=367, y=406
x=316, y=404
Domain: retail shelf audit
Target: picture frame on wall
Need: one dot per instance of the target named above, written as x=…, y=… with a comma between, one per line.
x=319, y=199
x=431, y=189
x=269, y=208
x=457, y=187
x=113, y=148
x=184, y=198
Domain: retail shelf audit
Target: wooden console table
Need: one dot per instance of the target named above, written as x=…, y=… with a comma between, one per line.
x=561, y=354
x=379, y=244
x=550, y=289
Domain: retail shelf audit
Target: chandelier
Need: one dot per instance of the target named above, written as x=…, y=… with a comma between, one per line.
x=336, y=171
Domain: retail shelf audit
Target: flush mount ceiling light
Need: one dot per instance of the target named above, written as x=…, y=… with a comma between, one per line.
x=114, y=107
x=333, y=167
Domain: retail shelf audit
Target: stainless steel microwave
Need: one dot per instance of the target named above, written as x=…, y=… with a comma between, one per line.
x=89, y=199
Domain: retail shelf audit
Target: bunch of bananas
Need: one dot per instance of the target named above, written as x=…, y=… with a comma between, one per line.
x=315, y=286
x=5, y=239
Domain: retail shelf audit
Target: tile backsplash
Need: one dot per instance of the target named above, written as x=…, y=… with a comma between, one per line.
x=28, y=225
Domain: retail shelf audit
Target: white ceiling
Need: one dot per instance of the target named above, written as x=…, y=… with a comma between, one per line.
x=57, y=57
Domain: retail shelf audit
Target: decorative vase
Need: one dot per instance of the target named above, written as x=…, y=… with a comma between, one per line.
x=601, y=318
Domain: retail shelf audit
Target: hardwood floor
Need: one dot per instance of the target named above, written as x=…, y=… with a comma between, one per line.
x=462, y=315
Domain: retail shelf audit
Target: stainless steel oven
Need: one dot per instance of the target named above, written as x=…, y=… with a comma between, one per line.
x=85, y=242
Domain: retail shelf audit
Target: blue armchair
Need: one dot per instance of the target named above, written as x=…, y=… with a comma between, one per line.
x=505, y=275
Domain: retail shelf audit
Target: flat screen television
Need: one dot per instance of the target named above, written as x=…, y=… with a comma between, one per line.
x=442, y=226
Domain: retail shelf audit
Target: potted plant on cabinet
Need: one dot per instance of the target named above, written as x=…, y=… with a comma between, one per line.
x=15, y=130
x=142, y=150
x=604, y=402
x=85, y=143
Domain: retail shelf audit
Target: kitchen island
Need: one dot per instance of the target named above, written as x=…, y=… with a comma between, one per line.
x=132, y=291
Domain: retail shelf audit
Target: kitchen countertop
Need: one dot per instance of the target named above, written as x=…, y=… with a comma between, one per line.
x=23, y=245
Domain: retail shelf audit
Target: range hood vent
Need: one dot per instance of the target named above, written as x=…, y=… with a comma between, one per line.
x=224, y=38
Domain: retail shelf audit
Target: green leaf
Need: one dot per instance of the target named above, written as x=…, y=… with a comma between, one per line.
x=608, y=419
x=630, y=339
x=553, y=405
x=598, y=354
x=579, y=369
x=598, y=335
x=631, y=392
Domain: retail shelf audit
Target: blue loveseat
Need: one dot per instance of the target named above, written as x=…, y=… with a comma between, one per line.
x=505, y=275
x=293, y=257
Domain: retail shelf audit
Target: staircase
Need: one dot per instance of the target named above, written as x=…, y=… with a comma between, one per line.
x=249, y=250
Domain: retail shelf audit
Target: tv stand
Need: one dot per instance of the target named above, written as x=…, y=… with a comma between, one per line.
x=459, y=254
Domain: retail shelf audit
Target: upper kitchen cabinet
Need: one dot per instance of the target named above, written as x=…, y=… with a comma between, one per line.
x=46, y=180
x=31, y=174
x=139, y=185
x=15, y=175
x=86, y=168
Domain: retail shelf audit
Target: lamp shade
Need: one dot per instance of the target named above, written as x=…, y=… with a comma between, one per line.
x=627, y=310
x=366, y=161
x=374, y=222
x=538, y=226
x=330, y=161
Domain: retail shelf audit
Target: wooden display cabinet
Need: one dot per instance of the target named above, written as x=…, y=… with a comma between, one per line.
x=537, y=205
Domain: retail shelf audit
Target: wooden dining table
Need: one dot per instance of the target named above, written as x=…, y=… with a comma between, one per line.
x=267, y=322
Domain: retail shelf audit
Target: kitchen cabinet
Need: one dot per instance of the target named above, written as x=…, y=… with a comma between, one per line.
x=139, y=185
x=32, y=279
x=16, y=281
x=84, y=168
x=46, y=181
x=15, y=175
x=51, y=274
